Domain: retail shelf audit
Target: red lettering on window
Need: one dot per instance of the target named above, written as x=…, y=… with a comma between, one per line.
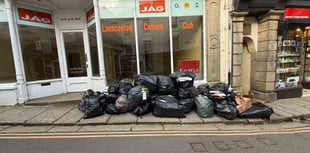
x=34, y=16
x=155, y=6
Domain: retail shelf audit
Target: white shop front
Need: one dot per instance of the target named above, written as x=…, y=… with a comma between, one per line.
x=57, y=47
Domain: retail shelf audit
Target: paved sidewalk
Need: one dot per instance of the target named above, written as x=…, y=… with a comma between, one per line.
x=67, y=117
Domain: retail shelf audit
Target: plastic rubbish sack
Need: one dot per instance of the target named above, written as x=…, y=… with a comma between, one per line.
x=125, y=85
x=112, y=109
x=204, y=106
x=114, y=88
x=221, y=91
x=187, y=105
x=184, y=93
x=103, y=99
x=149, y=81
x=82, y=104
x=182, y=74
x=138, y=96
x=167, y=106
x=141, y=110
x=226, y=109
x=258, y=110
x=111, y=98
x=204, y=89
x=91, y=105
x=122, y=103
x=165, y=85
x=183, y=79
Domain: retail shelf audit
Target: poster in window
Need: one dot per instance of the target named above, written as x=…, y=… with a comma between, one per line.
x=111, y=9
x=3, y=15
x=186, y=8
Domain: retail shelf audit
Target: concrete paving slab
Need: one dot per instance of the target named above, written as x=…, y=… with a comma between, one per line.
x=5, y=108
x=302, y=110
x=99, y=120
x=237, y=127
x=284, y=125
x=2, y=127
x=151, y=119
x=71, y=118
x=51, y=115
x=125, y=118
x=64, y=129
x=20, y=117
x=255, y=121
x=293, y=109
x=275, y=118
x=153, y=127
x=281, y=111
x=126, y=127
x=26, y=129
x=14, y=110
x=191, y=118
x=190, y=127
x=235, y=121
x=214, y=119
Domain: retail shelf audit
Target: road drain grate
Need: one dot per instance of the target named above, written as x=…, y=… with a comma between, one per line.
x=198, y=147
x=243, y=144
x=266, y=141
x=221, y=145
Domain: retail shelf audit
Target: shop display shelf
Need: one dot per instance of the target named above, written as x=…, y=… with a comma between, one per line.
x=292, y=92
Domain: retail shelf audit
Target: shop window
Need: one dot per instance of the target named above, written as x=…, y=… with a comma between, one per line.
x=289, y=58
x=118, y=38
x=7, y=70
x=93, y=49
x=187, y=44
x=39, y=53
x=154, y=45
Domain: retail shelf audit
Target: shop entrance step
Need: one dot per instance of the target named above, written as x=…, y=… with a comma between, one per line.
x=65, y=98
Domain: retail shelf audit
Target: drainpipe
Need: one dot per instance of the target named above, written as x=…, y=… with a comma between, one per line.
x=100, y=44
x=21, y=84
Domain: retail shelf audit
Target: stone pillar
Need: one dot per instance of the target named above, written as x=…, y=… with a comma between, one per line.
x=237, y=43
x=265, y=58
x=212, y=17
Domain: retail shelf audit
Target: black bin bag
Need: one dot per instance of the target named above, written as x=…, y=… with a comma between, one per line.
x=114, y=88
x=258, y=110
x=148, y=81
x=184, y=93
x=183, y=79
x=82, y=104
x=141, y=110
x=204, y=89
x=187, y=104
x=226, y=109
x=91, y=105
x=138, y=96
x=167, y=106
x=112, y=109
x=165, y=85
x=125, y=85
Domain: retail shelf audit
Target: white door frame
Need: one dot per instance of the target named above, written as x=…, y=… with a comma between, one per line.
x=76, y=84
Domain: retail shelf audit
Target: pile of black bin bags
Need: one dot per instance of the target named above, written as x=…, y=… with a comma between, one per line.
x=166, y=96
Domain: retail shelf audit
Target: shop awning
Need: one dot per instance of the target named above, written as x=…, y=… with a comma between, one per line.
x=297, y=13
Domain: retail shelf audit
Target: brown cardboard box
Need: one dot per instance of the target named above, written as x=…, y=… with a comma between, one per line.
x=243, y=103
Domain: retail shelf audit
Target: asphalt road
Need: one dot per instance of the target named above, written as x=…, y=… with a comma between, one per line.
x=295, y=142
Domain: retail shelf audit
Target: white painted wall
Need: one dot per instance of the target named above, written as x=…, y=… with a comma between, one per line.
x=8, y=94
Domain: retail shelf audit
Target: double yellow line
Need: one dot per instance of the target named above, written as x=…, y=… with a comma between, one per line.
x=72, y=135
